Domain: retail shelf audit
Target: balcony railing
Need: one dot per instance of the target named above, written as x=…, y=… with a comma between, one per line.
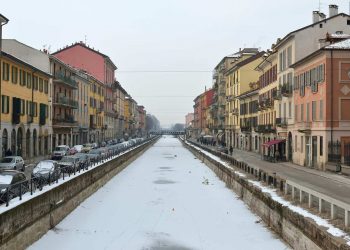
x=287, y=90
x=60, y=77
x=246, y=128
x=282, y=122
x=235, y=111
x=66, y=101
x=65, y=122
x=268, y=128
x=277, y=95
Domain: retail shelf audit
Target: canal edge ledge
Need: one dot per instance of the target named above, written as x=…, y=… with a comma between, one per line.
x=24, y=224
x=296, y=230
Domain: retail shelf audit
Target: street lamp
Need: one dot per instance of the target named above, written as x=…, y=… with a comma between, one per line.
x=3, y=21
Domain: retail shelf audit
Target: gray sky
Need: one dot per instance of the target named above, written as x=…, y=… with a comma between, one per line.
x=160, y=35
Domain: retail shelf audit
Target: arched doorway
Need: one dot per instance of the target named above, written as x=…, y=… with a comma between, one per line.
x=4, y=141
x=19, y=141
x=13, y=141
x=34, y=142
x=290, y=147
x=27, y=153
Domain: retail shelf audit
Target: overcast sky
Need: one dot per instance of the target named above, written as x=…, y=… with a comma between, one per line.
x=160, y=35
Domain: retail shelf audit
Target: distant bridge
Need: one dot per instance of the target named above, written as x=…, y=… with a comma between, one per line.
x=167, y=132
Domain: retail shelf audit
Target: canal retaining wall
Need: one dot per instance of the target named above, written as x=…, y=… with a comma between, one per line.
x=24, y=224
x=296, y=230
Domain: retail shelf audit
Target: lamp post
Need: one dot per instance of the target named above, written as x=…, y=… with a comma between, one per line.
x=3, y=21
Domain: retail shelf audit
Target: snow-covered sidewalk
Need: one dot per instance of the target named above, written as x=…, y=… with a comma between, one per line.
x=166, y=199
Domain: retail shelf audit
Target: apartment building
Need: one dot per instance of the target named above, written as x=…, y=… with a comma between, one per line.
x=25, y=100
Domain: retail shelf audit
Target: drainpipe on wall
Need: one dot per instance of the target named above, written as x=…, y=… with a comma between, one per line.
x=331, y=103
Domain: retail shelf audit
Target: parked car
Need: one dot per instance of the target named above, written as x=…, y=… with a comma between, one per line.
x=12, y=162
x=222, y=149
x=87, y=147
x=94, y=145
x=100, y=153
x=69, y=163
x=59, y=152
x=84, y=160
x=12, y=184
x=93, y=157
x=75, y=149
x=46, y=171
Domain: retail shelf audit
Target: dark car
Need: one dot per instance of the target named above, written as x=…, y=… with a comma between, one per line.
x=69, y=164
x=84, y=160
x=12, y=184
x=222, y=149
x=45, y=172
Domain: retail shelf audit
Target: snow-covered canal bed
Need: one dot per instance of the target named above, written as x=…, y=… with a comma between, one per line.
x=166, y=199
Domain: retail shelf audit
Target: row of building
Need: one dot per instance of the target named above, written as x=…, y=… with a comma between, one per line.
x=68, y=97
x=289, y=103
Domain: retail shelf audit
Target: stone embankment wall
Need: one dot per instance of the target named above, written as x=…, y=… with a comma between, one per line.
x=26, y=223
x=296, y=230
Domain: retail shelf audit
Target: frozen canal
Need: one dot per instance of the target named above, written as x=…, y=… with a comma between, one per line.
x=166, y=199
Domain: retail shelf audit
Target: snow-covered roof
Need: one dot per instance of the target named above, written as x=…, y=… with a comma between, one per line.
x=345, y=44
x=339, y=36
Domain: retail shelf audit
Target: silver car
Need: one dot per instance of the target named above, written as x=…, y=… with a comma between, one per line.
x=12, y=162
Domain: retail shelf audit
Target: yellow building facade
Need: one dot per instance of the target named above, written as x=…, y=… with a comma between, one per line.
x=241, y=78
x=25, y=108
x=96, y=110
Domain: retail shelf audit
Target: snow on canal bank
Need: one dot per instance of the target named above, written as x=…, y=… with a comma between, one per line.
x=166, y=199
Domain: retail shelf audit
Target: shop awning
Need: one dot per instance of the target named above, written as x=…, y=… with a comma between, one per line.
x=273, y=142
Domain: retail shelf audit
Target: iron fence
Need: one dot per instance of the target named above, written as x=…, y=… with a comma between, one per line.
x=37, y=183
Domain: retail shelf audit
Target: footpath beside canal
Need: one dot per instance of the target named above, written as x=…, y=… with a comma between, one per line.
x=287, y=220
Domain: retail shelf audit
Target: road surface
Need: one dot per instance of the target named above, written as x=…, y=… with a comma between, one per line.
x=166, y=199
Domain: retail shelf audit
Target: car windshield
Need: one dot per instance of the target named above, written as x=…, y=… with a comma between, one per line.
x=5, y=179
x=7, y=160
x=60, y=149
x=44, y=165
x=67, y=159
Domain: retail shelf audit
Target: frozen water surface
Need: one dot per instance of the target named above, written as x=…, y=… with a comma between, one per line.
x=166, y=199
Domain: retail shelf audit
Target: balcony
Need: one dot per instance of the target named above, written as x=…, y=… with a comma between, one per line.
x=277, y=95
x=235, y=111
x=287, y=90
x=61, y=78
x=304, y=126
x=282, y=122
x=111, y=114
x=268, y=128
x=67, y=121
x=66, y=101
x=246, y=129
x=222, y=93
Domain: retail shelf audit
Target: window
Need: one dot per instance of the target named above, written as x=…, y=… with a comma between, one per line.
x=308, y=112
x=302, y=144
x=301, y=112
x=321, y=25
x=296, y=112
x=321, y=110
x=348, y=22
x=284, y=110
x=295, y=143
x=41, y=85
x=321, y=145
x=36, y=87
x=14, y=77
x=344, y=109
x=35, y=82
x=46, y=86
x=289, y=56
x=313, y=110
x=23, y=107
x=5, y=71
x=35, y=109
x=290, y=109
x=29, y=81
x=5, y=104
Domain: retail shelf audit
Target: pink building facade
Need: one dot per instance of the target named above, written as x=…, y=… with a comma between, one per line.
x=189, y=119
x=100, y=66
x=321, y=133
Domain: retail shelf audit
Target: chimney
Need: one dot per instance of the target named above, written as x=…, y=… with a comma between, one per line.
x=333, y=10
x=315, y=16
